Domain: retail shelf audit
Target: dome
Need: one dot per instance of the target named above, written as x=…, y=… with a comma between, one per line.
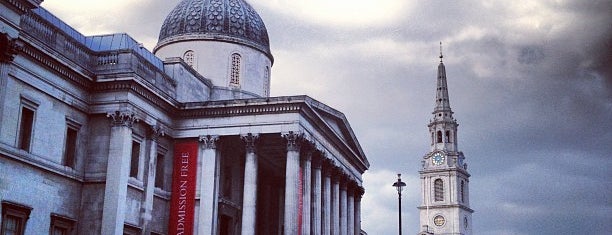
x=233, y=21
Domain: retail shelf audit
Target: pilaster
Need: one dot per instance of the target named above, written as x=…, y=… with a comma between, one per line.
x=117, y=171
x=155, y=132
x=9, y=47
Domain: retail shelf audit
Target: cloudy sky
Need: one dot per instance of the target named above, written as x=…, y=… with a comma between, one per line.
x=530, y=83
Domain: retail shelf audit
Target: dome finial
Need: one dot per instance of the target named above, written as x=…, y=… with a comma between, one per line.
x=441, y=56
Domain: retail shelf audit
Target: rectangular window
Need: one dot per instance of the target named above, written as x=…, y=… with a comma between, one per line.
x=159, y=171
x=130, y=230
x=134, y=163
x=14, y=218
x=61, y=225
x=70, y=148
x=26, y=125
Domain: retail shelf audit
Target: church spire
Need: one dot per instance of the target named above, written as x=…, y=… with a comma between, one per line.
x=442, y=102
x=443, y=125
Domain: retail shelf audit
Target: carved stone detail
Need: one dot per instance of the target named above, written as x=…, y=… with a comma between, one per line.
x=209, y=141
x=122, y=118
x=294, y=140
x=9, y=47
x=250, y=140
x=157, y=131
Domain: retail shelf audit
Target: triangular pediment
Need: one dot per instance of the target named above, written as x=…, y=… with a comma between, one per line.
x=339, y=125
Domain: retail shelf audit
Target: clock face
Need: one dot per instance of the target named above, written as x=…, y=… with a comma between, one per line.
x=439, y=220
x=438, y=158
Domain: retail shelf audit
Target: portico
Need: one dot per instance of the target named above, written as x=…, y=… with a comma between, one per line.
x=269, y=176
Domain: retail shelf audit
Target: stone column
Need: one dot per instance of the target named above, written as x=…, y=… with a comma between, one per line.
x=249, y=199
x=316, y=196
x=306, y=194
x=343, y=206
x=350, y=210
x=327, y=209
x=292, y=184
x=335, y=202
x=358, y=194
x=207, y=221
x=149, y=180
x=117, y=172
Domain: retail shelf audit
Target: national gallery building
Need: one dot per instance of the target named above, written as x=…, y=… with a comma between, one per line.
x=99, y=135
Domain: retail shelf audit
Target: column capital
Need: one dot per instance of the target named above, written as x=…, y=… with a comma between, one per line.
x=359, y=191
x=157, y=131
x=294, y=140
x=123, y=118
x=249, y=140
x=9, y=47
x=208, y=141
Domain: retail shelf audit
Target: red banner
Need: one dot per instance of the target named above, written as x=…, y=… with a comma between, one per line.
x=183, y=188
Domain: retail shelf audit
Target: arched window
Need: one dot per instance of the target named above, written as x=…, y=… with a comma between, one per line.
x=439, y=136
x=235, y=72
x=462, y=188
x=448, y=139
x=189, y=57
x=266, y=84
x=438, y=190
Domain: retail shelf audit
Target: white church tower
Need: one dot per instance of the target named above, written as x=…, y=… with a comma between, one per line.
x=445, y=207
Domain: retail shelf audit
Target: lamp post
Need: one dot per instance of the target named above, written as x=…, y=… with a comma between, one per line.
x=399, y=185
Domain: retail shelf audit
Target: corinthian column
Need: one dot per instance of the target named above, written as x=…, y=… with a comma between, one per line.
x=306, y=194
x=249, y=199
x=343, y=206
x=207, y=220
x=292, y=184
x=117, y=171
x=147, y=206
x=358, y=194
x=316, y=195
x=350, y=208
x=335, y=203
x=327, y=208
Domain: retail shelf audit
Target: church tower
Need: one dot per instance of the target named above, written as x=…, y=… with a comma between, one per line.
x=445, y=207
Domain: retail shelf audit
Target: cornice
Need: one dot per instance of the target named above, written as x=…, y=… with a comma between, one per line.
x=83, y=80
x=133, y=86
x=24, y=5
x=446, y=169
x=446, y=206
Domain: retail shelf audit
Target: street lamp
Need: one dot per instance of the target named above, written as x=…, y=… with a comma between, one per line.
x=399, y=185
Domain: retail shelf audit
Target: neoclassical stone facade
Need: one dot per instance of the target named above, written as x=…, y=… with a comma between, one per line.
x=100, y=136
